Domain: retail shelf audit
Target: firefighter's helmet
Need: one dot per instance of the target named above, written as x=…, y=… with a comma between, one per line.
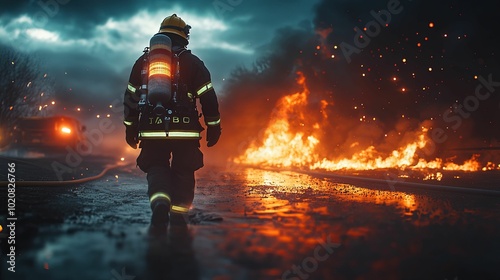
x=175, y=25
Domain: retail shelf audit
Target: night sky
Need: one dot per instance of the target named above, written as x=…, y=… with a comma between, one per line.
x=430, y=57
x=416, y=61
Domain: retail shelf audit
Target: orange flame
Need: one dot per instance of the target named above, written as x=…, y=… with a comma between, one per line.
x=283, y=147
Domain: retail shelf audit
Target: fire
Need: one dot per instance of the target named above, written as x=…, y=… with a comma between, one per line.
x=284, y=145
x=280, y=147
x=470, y=165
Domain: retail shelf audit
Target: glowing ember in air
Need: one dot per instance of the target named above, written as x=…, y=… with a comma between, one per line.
x=292, y=140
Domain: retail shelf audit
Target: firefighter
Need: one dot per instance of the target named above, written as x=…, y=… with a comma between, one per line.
x=170, y=156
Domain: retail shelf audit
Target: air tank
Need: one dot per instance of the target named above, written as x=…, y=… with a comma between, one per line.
x=160, y=73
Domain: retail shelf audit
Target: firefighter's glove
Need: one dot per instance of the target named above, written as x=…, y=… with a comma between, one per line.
x=213, y=134
x=131, y=135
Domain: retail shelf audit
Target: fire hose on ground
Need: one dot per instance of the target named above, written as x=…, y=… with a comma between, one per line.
x=64, y=182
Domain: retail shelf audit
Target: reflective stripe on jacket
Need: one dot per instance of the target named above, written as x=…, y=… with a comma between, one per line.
x=172, y=134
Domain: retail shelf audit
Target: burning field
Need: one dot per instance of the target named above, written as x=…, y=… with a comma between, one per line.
x=411, y=100
x=285, y=146
x=295, y=138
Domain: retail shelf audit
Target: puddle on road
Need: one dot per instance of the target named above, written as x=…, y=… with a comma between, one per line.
x=274, y=220
x=303, y=201
x=276, y=184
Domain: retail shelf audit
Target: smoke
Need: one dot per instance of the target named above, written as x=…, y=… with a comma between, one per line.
x=428, y=58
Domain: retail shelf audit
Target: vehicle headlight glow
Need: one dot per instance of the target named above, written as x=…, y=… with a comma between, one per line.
x=65, y=130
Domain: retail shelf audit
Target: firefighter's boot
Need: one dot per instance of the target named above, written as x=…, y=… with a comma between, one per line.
x=161, y=212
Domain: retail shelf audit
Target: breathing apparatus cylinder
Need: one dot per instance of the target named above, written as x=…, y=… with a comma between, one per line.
x=160, y=73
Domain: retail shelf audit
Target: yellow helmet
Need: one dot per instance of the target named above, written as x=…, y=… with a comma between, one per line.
x=175, y=25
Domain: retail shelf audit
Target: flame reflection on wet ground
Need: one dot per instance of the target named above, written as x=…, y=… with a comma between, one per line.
x=278, y=219
x=288, y=182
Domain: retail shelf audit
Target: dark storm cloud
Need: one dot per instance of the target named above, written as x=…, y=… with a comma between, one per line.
x=78, y=18
x=83, y=77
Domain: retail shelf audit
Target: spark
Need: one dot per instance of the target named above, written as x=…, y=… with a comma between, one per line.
x=431, y=24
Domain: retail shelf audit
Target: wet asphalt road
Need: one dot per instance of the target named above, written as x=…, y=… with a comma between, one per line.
x=253, y=224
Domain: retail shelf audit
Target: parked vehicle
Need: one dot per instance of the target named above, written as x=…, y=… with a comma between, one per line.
x=57, y=132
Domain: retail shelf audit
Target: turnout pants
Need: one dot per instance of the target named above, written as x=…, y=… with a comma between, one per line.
x=170, y=167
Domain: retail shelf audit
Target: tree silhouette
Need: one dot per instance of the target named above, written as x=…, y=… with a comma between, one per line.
x=24, y=89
